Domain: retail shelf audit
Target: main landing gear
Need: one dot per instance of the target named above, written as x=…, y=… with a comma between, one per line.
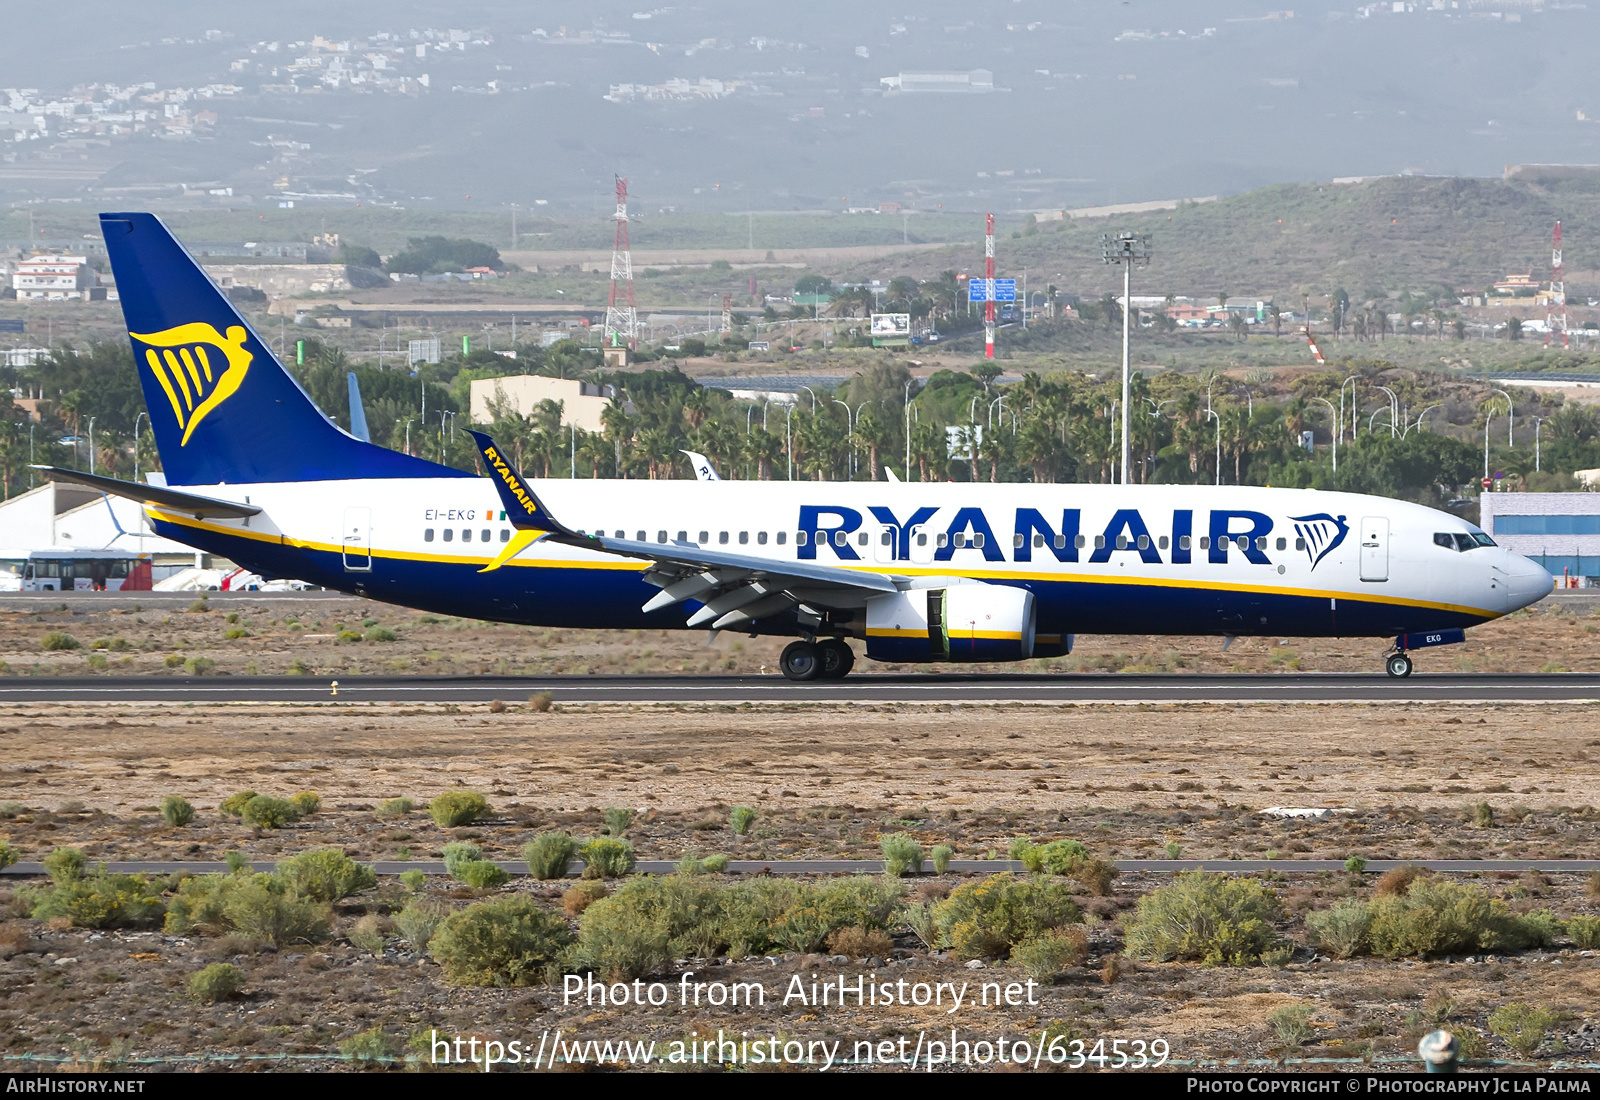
x=1397, y=664
x=829, y=659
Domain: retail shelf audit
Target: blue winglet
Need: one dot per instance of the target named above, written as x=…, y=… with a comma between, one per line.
x=523, y=510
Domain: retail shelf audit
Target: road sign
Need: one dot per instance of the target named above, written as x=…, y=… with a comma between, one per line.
x=1487, y=483
x=1003, y=290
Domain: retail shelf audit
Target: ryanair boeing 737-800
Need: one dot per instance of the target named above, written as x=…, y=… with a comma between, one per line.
x=257, y=473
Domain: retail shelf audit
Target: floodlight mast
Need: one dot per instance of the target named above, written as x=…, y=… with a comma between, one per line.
x=1126, y=249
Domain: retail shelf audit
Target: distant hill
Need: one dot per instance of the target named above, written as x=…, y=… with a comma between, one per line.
x=1382, y=236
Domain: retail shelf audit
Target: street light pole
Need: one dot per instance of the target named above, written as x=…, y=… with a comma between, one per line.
x=1335, y=434
x=141, y=416
x=1218, y=419
x=1511, y=418
x=1538, y=420
x=1126, y=249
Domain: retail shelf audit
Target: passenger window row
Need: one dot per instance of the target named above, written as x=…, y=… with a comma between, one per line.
x=449, y=534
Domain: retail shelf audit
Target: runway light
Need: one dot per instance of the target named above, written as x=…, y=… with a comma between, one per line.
x=336, y=687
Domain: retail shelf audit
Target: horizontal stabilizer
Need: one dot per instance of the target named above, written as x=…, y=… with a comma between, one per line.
x=190, y=503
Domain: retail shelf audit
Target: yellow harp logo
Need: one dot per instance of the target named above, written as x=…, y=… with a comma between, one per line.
x=194, y=381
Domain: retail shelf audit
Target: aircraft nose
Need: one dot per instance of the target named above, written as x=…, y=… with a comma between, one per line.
x=1528, y=581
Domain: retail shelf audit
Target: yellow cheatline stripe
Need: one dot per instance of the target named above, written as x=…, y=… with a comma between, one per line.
x=520, y=541
x=881, y=632
x=1050, y=578
x=985, y=635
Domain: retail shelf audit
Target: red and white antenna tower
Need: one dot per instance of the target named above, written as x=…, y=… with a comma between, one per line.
x=622, y=319
x=988, y=272
x=1557, y=321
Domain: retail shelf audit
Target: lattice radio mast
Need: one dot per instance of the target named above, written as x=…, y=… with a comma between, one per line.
x=1556, y=318
x=622, y=318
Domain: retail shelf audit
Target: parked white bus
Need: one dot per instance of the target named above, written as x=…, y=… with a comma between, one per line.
x=62, y=570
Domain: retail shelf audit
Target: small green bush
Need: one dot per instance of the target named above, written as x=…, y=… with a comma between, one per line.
x=199, y=666
x=235, y=634
x=101, y=900
x=582, y=894
x=1437, y=917
x=823, y=909
x=367, y=934
x=629, y=934
x=217, y=982
x=715, y=864
x=176, y=811
x=1044, y=956
x=324, y=875
x=941, y=858
x=298, y=667
x=1355, y=865
x=418, y=921
x=482, y=874
x=396, y=807
x=98, y=662
x=234, y=804
x=607, y=857
x=690, y=864
x=172, y=660
x=413, y=880
x=372, y=1045
x=902, y=855
x=65, y=865
x=986, y=919
x=1063, y=857
x=1523, y=1027
x=307, y=802
x=1342, y=930
x=347, y=636
x=1585, y=931
x=453, y=808
x=1483, y=815
x=237, y=861
x=741, y=818
x=264, y=911
x=56, y=640
x=458, y=852
x=269, y=813
x=381, y=634
x=8, y=855
x=507, y=942
x=618, y=818
x=1291, y=1024
x=548, y=855
x=1209, y=917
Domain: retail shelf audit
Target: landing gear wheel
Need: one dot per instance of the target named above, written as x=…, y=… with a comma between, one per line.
x=800, y=661
x=837, y=659
x=1398, y=664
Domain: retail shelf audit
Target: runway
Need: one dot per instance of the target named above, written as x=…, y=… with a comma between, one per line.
x=930, y=688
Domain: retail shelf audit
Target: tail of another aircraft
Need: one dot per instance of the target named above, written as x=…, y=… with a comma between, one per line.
x=222, y=407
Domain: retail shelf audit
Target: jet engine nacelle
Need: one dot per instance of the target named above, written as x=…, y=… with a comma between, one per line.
x=964, y=622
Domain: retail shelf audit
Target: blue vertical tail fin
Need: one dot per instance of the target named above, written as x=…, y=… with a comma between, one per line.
x=222, y=407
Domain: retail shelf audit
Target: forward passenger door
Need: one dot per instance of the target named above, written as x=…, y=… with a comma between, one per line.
x=1374, y=548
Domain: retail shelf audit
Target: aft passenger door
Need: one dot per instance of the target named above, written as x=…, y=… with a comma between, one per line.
x=1375, y=548
x=357, y=540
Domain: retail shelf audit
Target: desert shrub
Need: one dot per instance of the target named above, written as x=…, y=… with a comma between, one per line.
x=217, y=982
x=367, y=934
x=1585, y=931
x=197, y=906
x=1210, y=917
x=582, y=894
x=607, y=857
x=901, y=854
x=1095, y=875
x=234, y=804
x=1523, y=1027
x=269, y=813
x=617, y=819
x=539, y=702
x=1436, y=917
x=237, y=861
x=235, y=634
x=263, y=910
x=346, y=636
x=372, y=1045
x=1031, y=858
x=101, y=901
x=1355, y=865
x=1342, y=930
x=458, y=852
x=454, y=808
x=56, y=640
x=860, y=943
x=690, y=864
x=826, y=907
x=1044, y=956
x=396, y=807
x=325, y=875
x=715, y=864
x=418, y=921
x=482, y=874
x=199, y=666
x=506, y=942
x=741, y=818
x=548, y=855
x=1291, y=1024
x=65, y=865
x=176, y=811
x=986, y=919
x=1062, y=857
x=381, y=634
x=753, y=913
x=1397, y=880
x=172, y=660
x=920, y=917
x=1483, y=815
x=628, y=935
x=941, y=858
x=413, y=880
x=8, y=855
x=307, y=802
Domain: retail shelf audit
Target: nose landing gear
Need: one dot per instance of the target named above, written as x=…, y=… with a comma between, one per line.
x=1397, y=664
x=830, y=659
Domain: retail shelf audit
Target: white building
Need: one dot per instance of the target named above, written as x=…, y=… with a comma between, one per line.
x=968, y=82
x=582, y=403
x=1560, y=531
x=54, y=278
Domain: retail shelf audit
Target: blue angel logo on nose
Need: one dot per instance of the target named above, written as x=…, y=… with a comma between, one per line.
x=1322, y=534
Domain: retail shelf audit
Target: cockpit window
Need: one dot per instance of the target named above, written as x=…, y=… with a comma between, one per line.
x=1462, y=541
x=1482, y=539
x=1444, y=539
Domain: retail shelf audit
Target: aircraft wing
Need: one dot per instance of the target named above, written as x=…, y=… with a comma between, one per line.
x=173, y=499
x=733, y=588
